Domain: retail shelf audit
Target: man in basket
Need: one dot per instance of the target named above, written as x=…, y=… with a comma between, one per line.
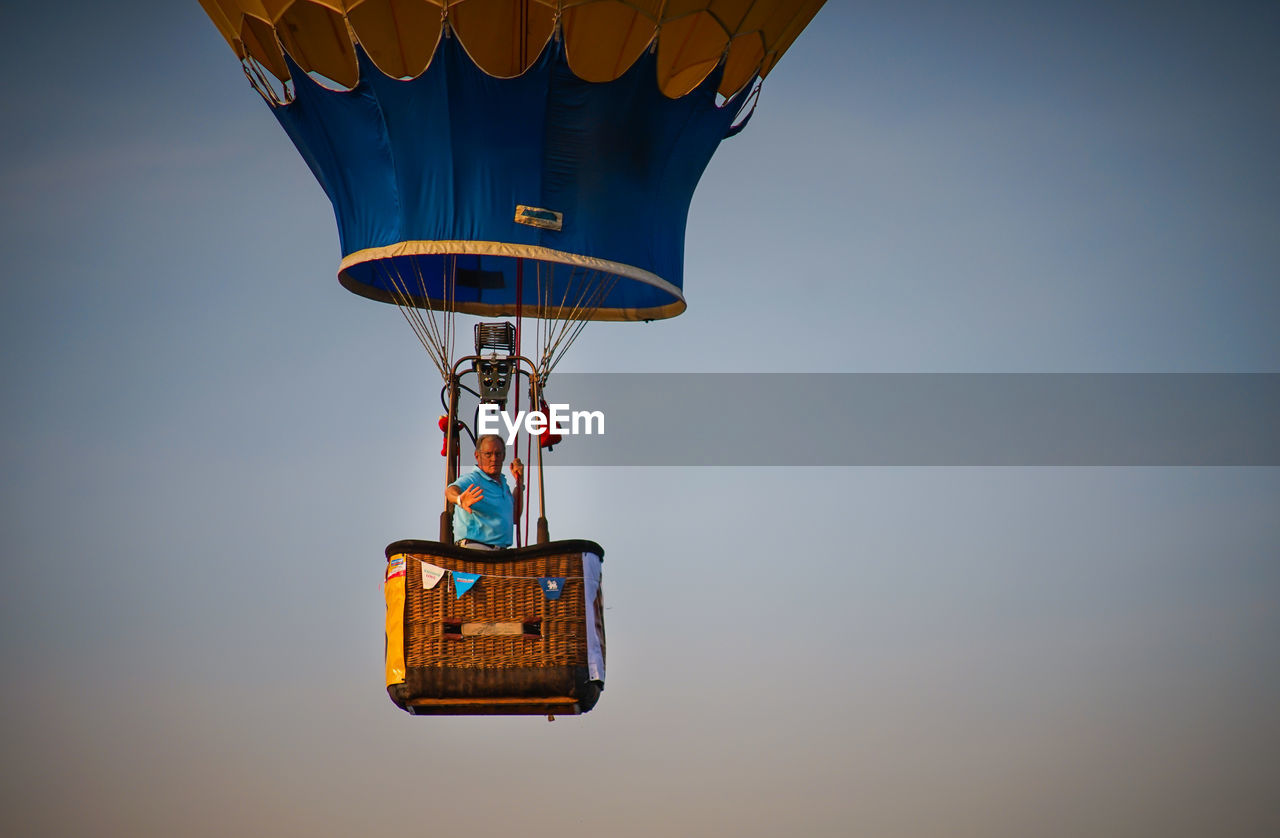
x=485, y=509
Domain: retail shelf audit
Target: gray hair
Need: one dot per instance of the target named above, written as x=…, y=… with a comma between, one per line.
x=501, y=442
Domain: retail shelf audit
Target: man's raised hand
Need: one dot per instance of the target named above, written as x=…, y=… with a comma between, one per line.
x=472, y=494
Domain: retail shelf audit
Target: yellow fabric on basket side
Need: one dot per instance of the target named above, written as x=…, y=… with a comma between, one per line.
x=394, y=590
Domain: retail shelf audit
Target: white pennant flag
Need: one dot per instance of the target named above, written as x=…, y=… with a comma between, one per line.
x=430, y=575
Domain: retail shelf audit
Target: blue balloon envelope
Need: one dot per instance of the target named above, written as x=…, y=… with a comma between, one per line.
x=459, y=191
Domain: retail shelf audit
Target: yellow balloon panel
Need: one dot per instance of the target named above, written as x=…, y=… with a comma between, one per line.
x=503, y=37
x=689, y=49
x=746, y=54
x=603, y=38
x=258, y=38
x=222, y=18
x=727, y=13
x=315, y=35
x=399, y=35
x=783, y=29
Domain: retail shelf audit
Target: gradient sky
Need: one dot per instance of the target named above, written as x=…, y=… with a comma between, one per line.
x=207, y=443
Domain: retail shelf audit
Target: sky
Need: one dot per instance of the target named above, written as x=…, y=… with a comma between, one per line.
x=207, y=443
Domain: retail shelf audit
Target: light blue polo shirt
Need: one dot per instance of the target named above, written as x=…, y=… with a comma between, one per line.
x=489, y=520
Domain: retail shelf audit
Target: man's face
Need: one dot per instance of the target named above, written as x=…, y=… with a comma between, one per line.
x=489, y=457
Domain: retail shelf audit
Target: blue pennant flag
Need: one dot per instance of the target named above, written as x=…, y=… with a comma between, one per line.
x=462, y=582
x=552, y=585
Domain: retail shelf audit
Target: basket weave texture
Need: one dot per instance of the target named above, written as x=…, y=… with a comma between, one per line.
x=508, y=591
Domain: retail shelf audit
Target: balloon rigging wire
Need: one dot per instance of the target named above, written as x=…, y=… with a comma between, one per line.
x=258, y=81
x=413, y=316
x=436, y=338
x=594, y=286
x=580, y=297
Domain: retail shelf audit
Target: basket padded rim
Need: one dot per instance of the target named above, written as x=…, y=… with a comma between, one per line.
x=411, y=546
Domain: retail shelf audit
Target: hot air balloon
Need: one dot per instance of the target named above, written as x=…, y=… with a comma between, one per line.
x=507, y=158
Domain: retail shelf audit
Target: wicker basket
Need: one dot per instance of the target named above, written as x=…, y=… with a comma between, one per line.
x=503, y=647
